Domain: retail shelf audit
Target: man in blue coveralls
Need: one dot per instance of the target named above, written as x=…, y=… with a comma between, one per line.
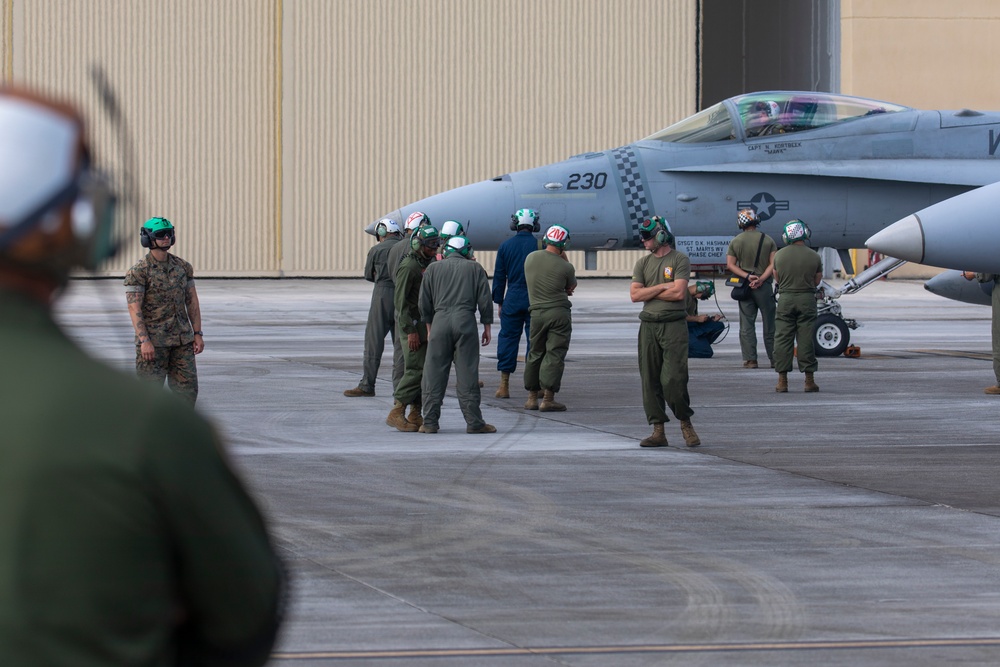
x=510, y=293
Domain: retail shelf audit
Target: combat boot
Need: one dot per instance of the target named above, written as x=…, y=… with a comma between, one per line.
x=691, y=438
x=504, y=390
x=811, y=385
x=397, y=419
x=532, y=402
x=995, y=389
x=414, y=416
x=485, y=428
x=657, y=439
x=427, y=428
x=782, y=387
x=358, y=391
x=549, y=404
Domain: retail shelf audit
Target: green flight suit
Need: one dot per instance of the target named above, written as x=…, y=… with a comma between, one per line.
x=548, y=276
x=125, y=537
x=744, y=248
x=995, y=295
x=396, y=254
x=663, y=340
x=450, y=294
x=381, y=314
x=406, y=298
x=796, y=266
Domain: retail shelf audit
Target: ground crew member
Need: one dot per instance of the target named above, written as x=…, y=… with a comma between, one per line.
x=659, y=282
x=126, y=538
x=551, y=281
x=703, y=330
x=396, y=254
x=448, y=229
x=798, y=270
x=751, y=255
x=995, y=278
x=411, y=329
x=381, y=313
x=451, y=292
x=166, y=315
x=510, y=293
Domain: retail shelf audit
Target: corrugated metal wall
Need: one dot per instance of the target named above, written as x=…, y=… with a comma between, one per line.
x=198, y=83
x=272, y=131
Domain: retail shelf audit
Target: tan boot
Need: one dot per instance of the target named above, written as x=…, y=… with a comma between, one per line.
x=504, y=390
x=485, y=428
x=358, y=391
x=532, y=402
x=782, y=387
x=397, y=419
x=995, y=389
x=691, y=438
x=549, y=404
x=810, y=384
x=657, y=439
x=414, y=416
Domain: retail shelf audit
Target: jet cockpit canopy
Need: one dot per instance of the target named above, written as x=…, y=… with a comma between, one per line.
x=769, y=113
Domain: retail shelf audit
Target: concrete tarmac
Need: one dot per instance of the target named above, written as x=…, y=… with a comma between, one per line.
x=856, y=526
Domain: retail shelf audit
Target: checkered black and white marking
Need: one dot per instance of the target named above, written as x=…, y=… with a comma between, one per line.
x=632, y=189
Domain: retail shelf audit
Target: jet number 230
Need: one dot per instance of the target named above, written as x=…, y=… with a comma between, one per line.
x=587, y=181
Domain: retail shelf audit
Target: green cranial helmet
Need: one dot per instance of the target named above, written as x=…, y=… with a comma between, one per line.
x=460, y=245
x=526, y=218
x=795, y=230
x=557, y=236
x=156, y=228
x=425, y=237
x=656, y=227
x=451, y=228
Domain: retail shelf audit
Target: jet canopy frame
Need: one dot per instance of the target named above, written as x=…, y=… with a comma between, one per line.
x=769, y=113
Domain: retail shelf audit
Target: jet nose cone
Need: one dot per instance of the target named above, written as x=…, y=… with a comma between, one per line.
x=483, y=209
x=903, y=239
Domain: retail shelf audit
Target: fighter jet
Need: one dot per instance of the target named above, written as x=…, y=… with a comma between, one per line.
x=848, y=166
x=958, y=233
x=951, y=285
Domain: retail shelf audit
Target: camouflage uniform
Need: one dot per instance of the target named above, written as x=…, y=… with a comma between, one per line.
x=164, y=287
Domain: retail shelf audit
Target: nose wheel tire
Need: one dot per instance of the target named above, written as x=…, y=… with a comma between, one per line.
x=831, y=336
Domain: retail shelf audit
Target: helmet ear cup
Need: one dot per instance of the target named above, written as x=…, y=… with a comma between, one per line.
x=537, y=227
x=145, y=240
x=513, y=223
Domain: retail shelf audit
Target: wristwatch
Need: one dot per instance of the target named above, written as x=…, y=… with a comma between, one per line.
x=198, y=333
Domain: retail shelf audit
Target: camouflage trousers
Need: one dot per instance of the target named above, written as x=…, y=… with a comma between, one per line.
x=176, y=364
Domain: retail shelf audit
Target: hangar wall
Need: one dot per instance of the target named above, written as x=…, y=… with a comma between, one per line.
x=272, y=131
x=922, y=53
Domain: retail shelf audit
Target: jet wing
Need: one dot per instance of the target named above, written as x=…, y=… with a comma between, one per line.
x=972, y=173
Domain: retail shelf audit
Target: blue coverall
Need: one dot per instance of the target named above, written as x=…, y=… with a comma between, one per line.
x=510, y=292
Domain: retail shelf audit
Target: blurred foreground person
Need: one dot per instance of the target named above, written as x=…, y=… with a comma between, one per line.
x=125, y=538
